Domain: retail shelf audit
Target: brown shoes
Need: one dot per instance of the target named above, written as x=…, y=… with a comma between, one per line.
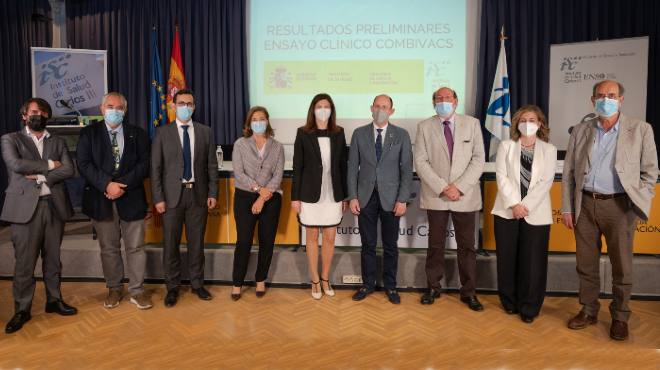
x=581, y=321
x=619, y=330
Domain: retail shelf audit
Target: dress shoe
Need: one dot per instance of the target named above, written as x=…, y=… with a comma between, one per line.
x=329, y=291
x=619, y=330
x=61, y=308
x=581, y=321
x=527, y=319
x=260, y=293
x=473, y=303
x=511, y=311
x=171, y=297
x=430, y=296
x=17, y=322
x=393, y=296
x=362, y=293
x=316, y=290
x=235, y=296
x=203, y=294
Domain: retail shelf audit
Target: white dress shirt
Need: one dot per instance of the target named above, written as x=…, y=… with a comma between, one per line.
x=382, y=133
x=39, y=143
x=191, y=134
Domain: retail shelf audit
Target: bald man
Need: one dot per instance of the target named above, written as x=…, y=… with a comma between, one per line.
x=610, y=172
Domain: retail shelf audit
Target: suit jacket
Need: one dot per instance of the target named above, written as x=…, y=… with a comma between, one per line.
x=167, y=165
x=436, y=169
x=22, y=158
x=393, y=173
x=308, y=170
x=636, y=164
x=537, y=199
x=96, y=166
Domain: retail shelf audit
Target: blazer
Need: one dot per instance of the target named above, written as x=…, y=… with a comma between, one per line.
x=308, y=170
x=393, y=173
x=22, y=158
x=167, y=165
x=636, y=164
x=537, y=199
x=251, y=170
x=436, y=169
x=96, y=166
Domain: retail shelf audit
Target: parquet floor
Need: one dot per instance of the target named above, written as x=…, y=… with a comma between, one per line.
x=287, y=329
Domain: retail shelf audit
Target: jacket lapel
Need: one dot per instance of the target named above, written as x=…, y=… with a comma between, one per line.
x=317, y=148
x=27, y=141
x=537, y=162
x=516, y=163
x=438, y=129
x=590, y=134
x=387, y=141
x=199, y=145
x=129, y=143
x=622, y=142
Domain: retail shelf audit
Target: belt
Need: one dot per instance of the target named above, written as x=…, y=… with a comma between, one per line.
x=600, y=196
x=188, y=185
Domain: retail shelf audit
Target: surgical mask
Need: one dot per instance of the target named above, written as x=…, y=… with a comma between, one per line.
x=322, y=114
x=528, y=128
x=37, y=122
x=444, y=109
x=113, y=117
x=184, y=113
x=380, y=116
x=606, y=107
x=258, y=127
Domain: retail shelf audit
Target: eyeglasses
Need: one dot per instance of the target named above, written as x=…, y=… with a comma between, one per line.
x=609, y=96
x=182, y=104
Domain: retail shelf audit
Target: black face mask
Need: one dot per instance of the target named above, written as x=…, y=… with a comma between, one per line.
x=37, y=123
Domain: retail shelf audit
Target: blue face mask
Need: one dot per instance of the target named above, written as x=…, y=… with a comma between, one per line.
x=258, y=127
x=184, y=113
x=113, y=116
x=606, y=107
x=444, y=109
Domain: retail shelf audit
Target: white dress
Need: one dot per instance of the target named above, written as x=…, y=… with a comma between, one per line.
x=325, y=212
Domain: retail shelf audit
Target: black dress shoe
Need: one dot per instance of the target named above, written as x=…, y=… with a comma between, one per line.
x=260, y=293
x=362, y=293
x=527, y=319
x=235, y=296
x=511, y=311
x=203, y=294
x=17, y=322
x=393, y=296
x=430, y=296
x=473, y=303
x=59, y=307
x=171, y=297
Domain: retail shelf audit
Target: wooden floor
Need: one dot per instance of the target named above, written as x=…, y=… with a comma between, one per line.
x=287, y=329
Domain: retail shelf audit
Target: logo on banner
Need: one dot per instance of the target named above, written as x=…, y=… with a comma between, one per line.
x=55, y=68
x=280, y=78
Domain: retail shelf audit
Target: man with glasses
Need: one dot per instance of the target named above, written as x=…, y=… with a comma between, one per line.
x=113, y=158
x=184, y=186
x=610, y=172
x=449, y=159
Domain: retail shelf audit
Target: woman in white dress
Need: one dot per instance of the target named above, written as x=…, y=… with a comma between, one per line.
x=319, y=186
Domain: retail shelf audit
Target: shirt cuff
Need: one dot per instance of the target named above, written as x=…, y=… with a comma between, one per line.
x=41, y=179
x=51, y=165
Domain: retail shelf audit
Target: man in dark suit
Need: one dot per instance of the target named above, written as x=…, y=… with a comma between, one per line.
x=379, y=178
x=37, y=205
x=184, y=184
x=113, y=157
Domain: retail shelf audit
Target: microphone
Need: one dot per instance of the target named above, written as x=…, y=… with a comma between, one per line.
x=67, y=105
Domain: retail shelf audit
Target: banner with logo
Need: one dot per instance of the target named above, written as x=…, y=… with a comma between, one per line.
x=413, y=228
x=575, y=68
x=70, y=80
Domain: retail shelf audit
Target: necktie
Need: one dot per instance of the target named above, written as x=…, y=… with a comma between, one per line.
x=115, y=150
x=187, y=165
x=379, y=144
x=449, y=137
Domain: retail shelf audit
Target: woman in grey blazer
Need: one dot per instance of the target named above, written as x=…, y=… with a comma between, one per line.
x=258, y=162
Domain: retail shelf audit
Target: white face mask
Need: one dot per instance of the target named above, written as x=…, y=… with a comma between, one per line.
x=322, y=114
x=528, y=128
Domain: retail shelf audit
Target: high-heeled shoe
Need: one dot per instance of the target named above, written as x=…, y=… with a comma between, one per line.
x=329, y=292
x=316, y=295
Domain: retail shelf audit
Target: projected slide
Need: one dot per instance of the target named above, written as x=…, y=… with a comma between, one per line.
x=354, y=50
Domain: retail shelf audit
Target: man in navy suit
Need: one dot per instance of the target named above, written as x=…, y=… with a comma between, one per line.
x=113, y=157
x=379, y=178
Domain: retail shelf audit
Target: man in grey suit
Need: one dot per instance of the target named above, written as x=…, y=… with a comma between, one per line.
x=184, y=186
x=610, y=172
x=379, y=177
x=37, y=206
x=449, y=158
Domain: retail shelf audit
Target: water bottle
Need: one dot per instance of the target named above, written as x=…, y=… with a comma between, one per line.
x=219, y=155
